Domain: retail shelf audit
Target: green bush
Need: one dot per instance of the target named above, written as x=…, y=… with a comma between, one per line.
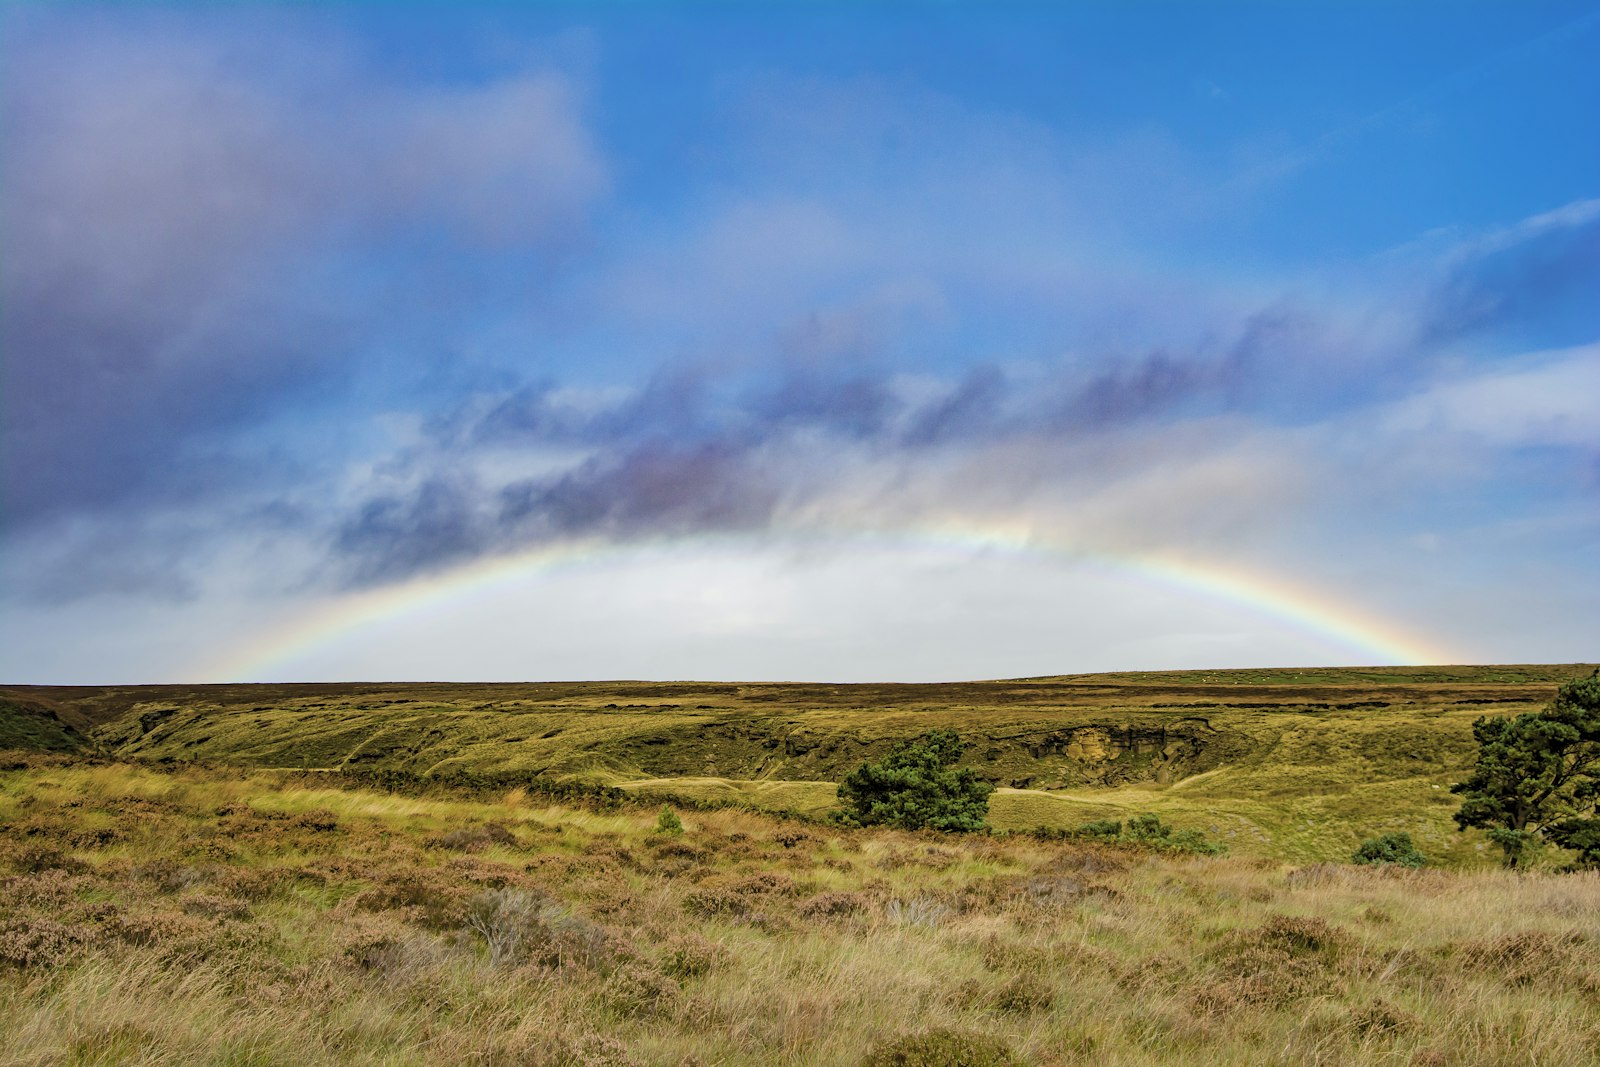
x=941, y=1048
x=668, y=822
x=1148, y=831
x=1395, y=849
x=917, y=786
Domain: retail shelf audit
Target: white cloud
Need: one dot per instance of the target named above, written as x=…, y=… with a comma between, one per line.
x=1546, y=398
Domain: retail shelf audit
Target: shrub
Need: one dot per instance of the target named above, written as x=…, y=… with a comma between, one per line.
x=1394, y=849
x=1148, y=831
x=505, y=919
x=790, y=837
x=691, y=955
x=668, y=822
x=1531, y=957
x=918, y=911
x=832, y=905
x=590, y=1050
x=1022, y=995
x=709, y=901
x=635, y=991
x=917, y=786
x=38, y=942
x=1282, y=960
x=472, y=838
x=941, y=1048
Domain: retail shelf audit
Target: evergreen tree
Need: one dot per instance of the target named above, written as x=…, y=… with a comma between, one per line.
x=917, y=785
x=1537, y=775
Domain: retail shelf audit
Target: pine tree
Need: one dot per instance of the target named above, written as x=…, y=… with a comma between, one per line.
x=1537, y=775
x=917, y=785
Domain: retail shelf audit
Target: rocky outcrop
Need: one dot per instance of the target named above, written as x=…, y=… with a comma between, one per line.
x=1095, y=753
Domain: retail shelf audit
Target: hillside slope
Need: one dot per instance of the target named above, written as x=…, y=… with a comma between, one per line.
x=1296, y=763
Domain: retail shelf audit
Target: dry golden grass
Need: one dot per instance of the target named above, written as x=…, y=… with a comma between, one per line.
x=245, y=918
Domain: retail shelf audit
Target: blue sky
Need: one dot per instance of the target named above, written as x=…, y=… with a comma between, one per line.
x=305, y=305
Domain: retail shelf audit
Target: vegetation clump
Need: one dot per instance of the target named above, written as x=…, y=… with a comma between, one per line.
x=1392, y=849
x=668, y=822
x=917, y=786
x=941, y=1048
x=1148, y=831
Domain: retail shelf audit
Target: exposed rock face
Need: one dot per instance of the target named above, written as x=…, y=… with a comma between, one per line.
x=1113, y=754
x=1043, y=757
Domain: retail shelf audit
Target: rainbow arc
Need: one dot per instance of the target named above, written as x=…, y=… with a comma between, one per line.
x=1309, y=611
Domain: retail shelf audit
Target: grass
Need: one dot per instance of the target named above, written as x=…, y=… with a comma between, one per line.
x=1299, y=765
x=34, y=725
x=189, y=915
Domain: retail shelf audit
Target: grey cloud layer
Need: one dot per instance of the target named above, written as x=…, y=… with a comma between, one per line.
x=691, y=453
x=180, y=207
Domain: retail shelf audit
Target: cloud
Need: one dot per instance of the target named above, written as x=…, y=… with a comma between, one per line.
x=659, y=490
x=393, y=536
x=656, y=489
x=1537, y=277
x=679, y=457
x=973, y=407
x=1544, y=399
x=182, y=202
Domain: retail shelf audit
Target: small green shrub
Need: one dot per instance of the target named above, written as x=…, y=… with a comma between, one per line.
x=941, y=1048
x=668, y=822
x=1148, y=831
x=1395, y=849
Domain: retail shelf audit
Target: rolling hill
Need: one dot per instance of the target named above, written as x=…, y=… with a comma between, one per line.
x=1294, y=764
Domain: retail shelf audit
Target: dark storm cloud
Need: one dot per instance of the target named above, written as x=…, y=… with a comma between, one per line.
x=178, y=205
x=213, y=230
x=652, y=490
x=397, y=535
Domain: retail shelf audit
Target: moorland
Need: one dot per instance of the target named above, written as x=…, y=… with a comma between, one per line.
x=475, y=874
x=1298, y=765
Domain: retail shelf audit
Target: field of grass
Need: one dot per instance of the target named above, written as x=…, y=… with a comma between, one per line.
x=186, y=915
x=1298, y=765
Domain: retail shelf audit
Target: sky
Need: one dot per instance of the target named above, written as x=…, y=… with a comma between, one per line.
x=877, y=341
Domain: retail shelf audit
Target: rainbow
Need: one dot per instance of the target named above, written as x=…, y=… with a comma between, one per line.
x=1309, y=611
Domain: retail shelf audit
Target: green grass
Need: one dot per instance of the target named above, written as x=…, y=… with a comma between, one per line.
x=35, y=726
x=1295, y=764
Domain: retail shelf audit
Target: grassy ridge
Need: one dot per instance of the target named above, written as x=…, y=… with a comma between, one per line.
x=195, y=916
x=1295, y=764
x=36, y=725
